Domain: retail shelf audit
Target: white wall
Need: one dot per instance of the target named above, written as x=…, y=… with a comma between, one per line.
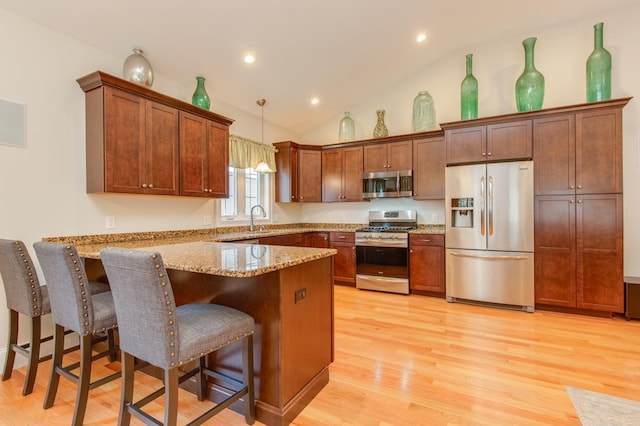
x=560, y=54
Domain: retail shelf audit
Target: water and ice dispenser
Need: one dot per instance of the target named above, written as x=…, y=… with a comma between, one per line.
x=462, y=212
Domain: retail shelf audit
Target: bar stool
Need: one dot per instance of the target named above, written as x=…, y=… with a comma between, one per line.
x=153, y=329
x=75, y=308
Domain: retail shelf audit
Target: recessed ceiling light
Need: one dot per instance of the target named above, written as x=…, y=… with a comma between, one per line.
x=315, y=101
x=249, y=59
x=421, y=37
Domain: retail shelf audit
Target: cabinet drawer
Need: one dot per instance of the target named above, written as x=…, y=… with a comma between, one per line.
x=426, y=240
x=342, y=236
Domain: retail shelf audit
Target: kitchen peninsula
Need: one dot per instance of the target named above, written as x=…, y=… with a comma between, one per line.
x=288, y=291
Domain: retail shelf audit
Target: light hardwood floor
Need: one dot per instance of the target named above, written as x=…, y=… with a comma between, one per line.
x=418, y=361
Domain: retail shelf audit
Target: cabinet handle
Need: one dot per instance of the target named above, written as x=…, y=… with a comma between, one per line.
x=144, y=185
x=342, y=237
x=484, y=154
x=579, y=201
x=293, y=197
x=571, y=202
x=489, y=154
x=410, y=251
x=572, y=187
x=150, y=185
x=426, y=241
x=579, y=186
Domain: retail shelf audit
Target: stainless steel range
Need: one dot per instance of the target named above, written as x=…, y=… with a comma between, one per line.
x=382, y=248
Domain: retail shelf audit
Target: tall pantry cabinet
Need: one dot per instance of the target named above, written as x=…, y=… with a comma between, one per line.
x=578, y=208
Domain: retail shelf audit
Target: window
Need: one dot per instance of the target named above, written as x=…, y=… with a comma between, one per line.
x=246, y=189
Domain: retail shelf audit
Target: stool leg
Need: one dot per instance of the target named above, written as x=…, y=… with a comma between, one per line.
x=201, y=380
x=13, y=340
x=56, y=362
x=126, y=392
x=84, y=379
x=34, y=356
x=112, y=345
x=171, y=397
x=247, y=377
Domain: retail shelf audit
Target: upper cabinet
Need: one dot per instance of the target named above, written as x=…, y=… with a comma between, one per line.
x=428, y=168
x=140, y=141
x=491, y=142
x=387, y=157
x=342, y=174
x=298, y=178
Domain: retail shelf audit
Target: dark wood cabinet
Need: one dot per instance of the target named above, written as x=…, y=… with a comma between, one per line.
x=273, y=240
x=344, y=262
x=428, y=168
x=295, y=240
x=426, y=264
x=578, y=251
x=309, y=176
x=138, y=151
x=510, y=140
x=578, y=208
x=204, y=157
x=389, y=157
x=316, y=239
x=342, y=174
x=298, y=178
x=133, y=140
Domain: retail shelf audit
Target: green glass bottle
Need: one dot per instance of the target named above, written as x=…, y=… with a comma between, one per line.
x=530, y=84
x=200, y=97
x=469, y=93
x=598, y=69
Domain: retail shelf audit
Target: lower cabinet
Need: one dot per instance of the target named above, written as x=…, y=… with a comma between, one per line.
x=344, y=262
x=275, y=240
x=426, y=264
x=316, y=239
x=578, y=252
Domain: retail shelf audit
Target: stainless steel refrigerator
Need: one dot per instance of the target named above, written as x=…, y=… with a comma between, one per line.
x=489, y=234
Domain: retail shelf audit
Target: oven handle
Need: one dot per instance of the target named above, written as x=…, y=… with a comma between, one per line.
x=382, y=243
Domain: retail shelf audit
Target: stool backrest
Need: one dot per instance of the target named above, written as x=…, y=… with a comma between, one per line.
x=21, y=284
x=69, y=292
x=145, y=306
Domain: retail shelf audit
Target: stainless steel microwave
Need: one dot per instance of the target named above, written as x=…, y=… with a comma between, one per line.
x=387, y=184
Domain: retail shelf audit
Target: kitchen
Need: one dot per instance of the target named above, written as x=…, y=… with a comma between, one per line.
x=54, y=156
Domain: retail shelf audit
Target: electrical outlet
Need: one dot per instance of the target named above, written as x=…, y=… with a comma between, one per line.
x=434, y=218
x=110, y=222
x=300, y=295
x=207, y=220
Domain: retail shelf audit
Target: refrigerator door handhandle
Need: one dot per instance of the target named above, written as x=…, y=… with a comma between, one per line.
x=490, y=205
x=482, y=203
x=476, y=256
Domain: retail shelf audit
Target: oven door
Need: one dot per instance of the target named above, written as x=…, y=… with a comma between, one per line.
x=381, y=261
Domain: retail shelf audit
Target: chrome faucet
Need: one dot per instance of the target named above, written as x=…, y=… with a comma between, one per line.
x=264, y=214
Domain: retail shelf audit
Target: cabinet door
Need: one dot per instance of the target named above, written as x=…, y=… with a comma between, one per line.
x=275, y=240
x=375, y=158
x=316, y=239
x=426, y=263
x=554, y=155
x=599, y=250
x=399, y=156
x=162, y=175
x=217, y=159
x=555, y=250
x=599, y=151
x=352, y=174
x=287, y=174
x=193, y=155
x=332, y=175
x=466, y=145
x=509, y=141
x=344, y=262
x=428, y=169
x=124, y=128
x=310, y=183
x=295, y=240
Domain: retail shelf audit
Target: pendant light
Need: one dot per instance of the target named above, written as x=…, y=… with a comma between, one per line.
x=262, y=166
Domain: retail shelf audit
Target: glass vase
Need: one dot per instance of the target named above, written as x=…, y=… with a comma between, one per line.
x=347, y=130
x=469, y=93
x=530, y=84
x=424, y=113
x=200, y=97
x=598, y=69
x=137, y=68
x=380, y=131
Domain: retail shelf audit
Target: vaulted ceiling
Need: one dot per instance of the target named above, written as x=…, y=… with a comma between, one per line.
x=336, y=50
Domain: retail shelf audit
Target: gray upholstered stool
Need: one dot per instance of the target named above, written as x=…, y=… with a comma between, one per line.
x=153, y=329
x=75, y=308
x=24, y=296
